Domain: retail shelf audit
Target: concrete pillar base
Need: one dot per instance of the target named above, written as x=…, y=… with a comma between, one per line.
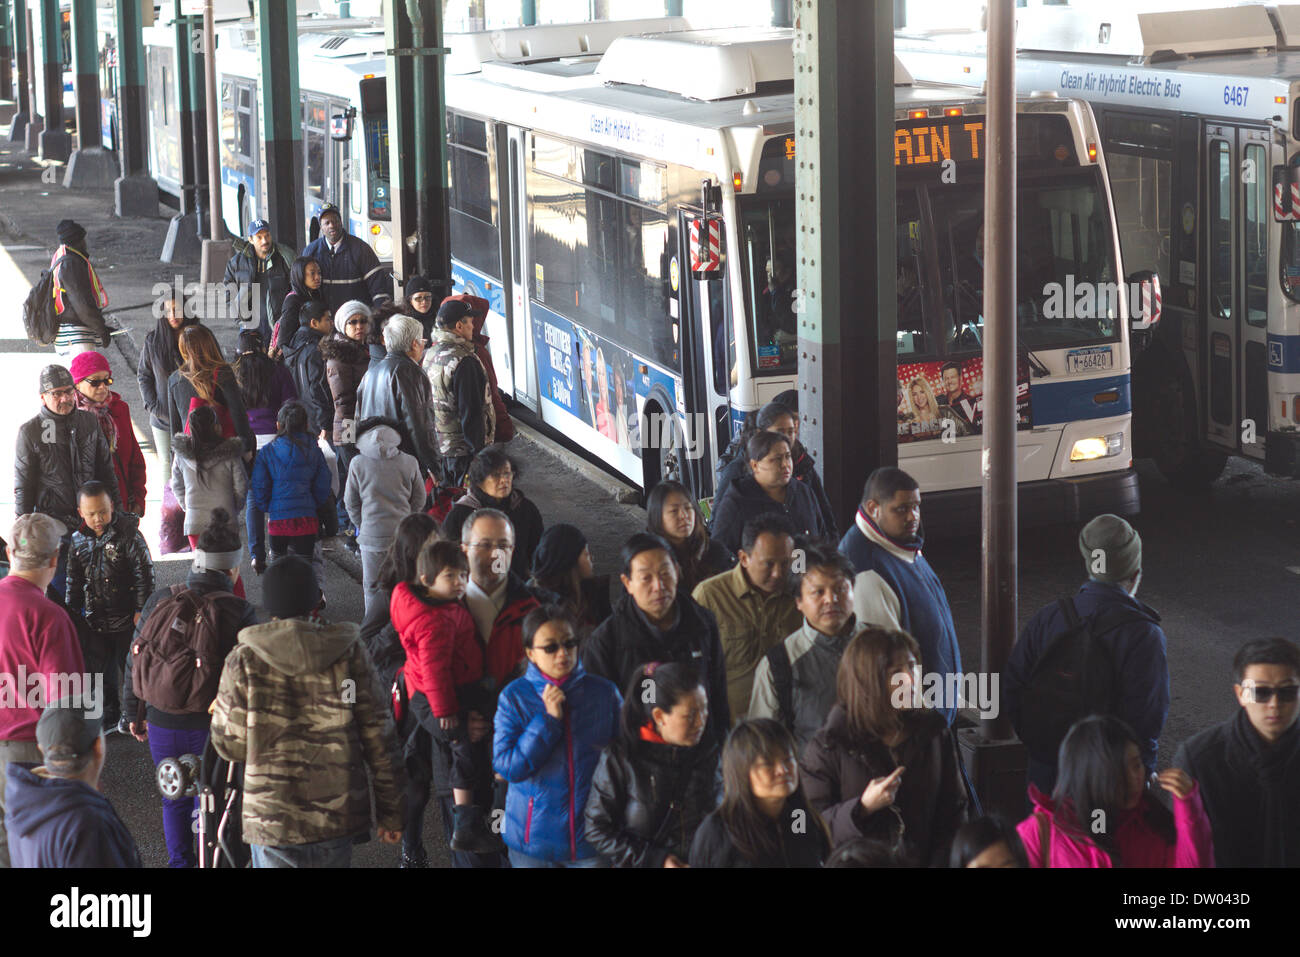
x=35, y=127
x=213, y=259
x=18, y=128
x=182, y=244
x=91, y=168
x=8, y=110
x=55, y=145
x=135, y=196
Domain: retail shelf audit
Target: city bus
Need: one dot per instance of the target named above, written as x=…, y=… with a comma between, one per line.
x=581, y=166
x=1199, y=113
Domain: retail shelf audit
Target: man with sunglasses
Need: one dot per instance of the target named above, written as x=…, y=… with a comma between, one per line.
x=1248, y=767
x=59, y=450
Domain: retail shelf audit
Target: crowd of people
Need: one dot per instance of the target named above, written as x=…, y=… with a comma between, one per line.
x=744, y=693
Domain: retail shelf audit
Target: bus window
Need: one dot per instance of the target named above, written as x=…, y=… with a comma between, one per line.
x=912, y=337
x=647, y=326
x=475, y=232
x=1257, y=216
x=768, y=230
x=1141, y=187
x=244, y=126
x=376, y=127
x=1221, y=181
x=314, y=148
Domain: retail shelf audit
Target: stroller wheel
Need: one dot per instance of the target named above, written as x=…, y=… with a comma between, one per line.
x=171, y=778
x=190, y=765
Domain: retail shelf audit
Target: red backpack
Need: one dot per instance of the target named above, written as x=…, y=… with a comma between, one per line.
x=178, y=656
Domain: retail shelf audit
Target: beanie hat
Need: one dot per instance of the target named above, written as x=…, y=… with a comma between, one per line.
x=86, y=364
x=1112, y=549
x=417, y=284
x=289, y=588
x=55, y=377
x=70, y=232
x=353, y=307
x=557, y=551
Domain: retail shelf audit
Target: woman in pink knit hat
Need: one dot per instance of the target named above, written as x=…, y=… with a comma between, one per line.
x=93, y=377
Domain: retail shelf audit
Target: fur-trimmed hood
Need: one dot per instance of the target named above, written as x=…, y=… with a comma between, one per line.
x=341, y=349
x=226, y=449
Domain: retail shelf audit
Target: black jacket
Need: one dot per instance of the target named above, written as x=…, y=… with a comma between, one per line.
x=305, y=361
x=625, y=641
x=805, y=470
x=55, y=456
x=354, y=272
x=244, y=268
x=712, y=559
x=524, y=516
x=396, y=388
x=800, y=847
x=647, y=800
x=110, y=578
x=181, y=393
x=237, y=615
x=745, y=499
x=159, y=358
x=80, y=304
x=1251, y=792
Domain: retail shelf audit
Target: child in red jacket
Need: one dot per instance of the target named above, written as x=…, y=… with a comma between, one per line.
x=444, y=665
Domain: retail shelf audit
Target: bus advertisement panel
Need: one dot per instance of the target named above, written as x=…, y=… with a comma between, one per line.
x=938, y=400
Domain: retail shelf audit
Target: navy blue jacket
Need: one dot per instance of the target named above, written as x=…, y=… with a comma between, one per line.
x=354, y=272
x=1137, y=649
x=303, y=356
x=549, y=763
x=290, y=478
x=57, y=822
x=745, y=499
x=922, y=605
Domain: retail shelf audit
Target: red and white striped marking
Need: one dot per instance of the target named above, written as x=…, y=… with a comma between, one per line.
x=1281, y=212
x=706, y=256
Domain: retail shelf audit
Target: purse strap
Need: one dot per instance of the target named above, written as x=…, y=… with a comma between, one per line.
x=1044, y=839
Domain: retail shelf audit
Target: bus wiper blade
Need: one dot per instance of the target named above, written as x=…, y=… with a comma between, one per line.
x=1035, y=363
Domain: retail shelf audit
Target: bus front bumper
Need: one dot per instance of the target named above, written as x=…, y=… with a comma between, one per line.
x=958, y=512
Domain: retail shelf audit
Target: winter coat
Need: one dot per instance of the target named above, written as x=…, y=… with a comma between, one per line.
x=78, y=304
x=262, y=419
x=233, y=615
x=159, y=358
x=215, y=479
x=505, y=644
x=38, y=637
x=800, y=847
x=627, y=640
x=441, y=644
x=354, y=272
x=128, y=459
x=549, y=762
x=298, y=704
x=345, y=363
x=1251, y=791
x=62, y=822
x=504, y=427
x=745, y=499
x=523, y=514
x=1137, y=650
x=805, y=470
x=813, y=664
x=463, y=415
x=931, y=802
x=303, y=357
x=290, y=310
x=272, y=275
x=712, y=559
x=396, y=388
x=1138, y=843
x=182, y=393
x=384, y=486
x=290, y=478
x=55, y=456
x=110, y=577
x=648, y=798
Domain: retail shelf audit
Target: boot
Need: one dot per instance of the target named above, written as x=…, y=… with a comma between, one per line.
x=471, y=834
x=413, y=858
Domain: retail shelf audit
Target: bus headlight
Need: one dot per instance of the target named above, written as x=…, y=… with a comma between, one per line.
x=383, y=247
x=1097, y=447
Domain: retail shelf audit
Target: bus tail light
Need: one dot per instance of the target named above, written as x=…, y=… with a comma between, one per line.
x=1092, y=152
x=737, y=181
x=1097, y=447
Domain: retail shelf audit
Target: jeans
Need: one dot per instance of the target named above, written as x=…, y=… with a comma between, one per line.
x=162, y=443
x=25, y=751
x=518, y=859
x=180, y=815
x=371, y=559
x=345, y=453
x=104, y=652
x=336, y=852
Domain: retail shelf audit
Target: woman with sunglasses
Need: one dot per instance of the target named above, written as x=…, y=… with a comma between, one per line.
x=93, y=377
x=551, y=725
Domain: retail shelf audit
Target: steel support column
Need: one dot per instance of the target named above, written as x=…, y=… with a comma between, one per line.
x=91, y=166
x=281, y=119
x=781, y=15
x=528, y=11
x=22, y=91
x=135, y=192
x=846, y=306
x=55, y=141
x=184, y=240
x=6, y=54
x=35, y=124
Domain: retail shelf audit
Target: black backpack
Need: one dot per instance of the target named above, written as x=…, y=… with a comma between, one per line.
x=40, y=317
x=1075, y=676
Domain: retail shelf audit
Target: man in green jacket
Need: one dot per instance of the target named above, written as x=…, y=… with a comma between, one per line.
x=300, y=706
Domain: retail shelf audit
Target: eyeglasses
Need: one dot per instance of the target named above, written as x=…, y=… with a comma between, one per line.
x=568, y=644
x=357, y=322
x=100, y=382
x=422, y=297
x=504, y=475
x=65, y=393
x=1263, y=694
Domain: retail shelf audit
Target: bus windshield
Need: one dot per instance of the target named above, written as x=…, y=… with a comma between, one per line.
x=377, y=188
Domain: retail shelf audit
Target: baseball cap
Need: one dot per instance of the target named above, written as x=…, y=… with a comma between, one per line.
x=66, y=731
x=453, y=311
x=327, y=209
x=35, y=538
x=256, y=226
x=55, y=376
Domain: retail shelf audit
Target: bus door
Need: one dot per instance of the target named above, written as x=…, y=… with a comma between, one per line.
x=708, y=345
x=1235, y=310
x=515, y=262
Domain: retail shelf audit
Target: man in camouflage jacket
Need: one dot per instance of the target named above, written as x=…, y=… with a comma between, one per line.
x=300, y=706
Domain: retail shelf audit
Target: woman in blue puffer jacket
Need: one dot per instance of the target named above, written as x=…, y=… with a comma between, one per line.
x=551, y=726
x=291, y=482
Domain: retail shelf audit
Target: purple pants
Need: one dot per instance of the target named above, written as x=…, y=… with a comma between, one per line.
x=179, y=821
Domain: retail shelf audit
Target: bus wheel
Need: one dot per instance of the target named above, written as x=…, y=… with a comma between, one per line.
x=663, y=456
x=1175, y=444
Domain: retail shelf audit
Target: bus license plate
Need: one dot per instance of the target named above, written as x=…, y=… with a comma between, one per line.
x=1089, y=360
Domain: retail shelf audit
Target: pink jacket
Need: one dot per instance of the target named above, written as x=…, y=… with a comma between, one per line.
x=1141, y=846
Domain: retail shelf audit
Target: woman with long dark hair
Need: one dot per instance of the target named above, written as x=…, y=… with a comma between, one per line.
x=987, y=842
x=660, y=777
x=1104, y=813
x=304, y=286
x=672, y=513
x=205, y=378
x=881, y=766
x=562, y=566
x=493, y=478
x=765, y=819
x=160, y=357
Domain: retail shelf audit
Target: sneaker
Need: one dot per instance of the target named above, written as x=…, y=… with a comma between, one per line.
x=471, y=834
x=410, y=861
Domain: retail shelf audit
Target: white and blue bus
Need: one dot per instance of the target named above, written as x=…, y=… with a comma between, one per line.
x=1199, y=116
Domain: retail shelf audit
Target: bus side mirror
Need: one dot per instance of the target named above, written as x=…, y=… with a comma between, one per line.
x=341, y=125
x=1144, y=300
x=1286, y=194
x=706, y=247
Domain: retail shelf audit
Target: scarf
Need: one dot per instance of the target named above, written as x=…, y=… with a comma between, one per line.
x=103, y=413
x=56, y=264
x=1269, y=762
x=648, y=733
x=906, y=546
